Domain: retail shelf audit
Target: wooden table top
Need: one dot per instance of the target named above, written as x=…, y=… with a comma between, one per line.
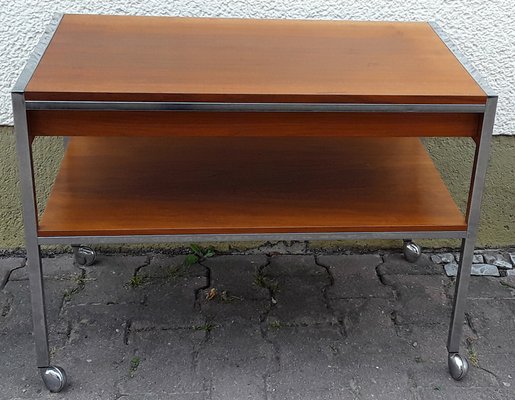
x=127, y=58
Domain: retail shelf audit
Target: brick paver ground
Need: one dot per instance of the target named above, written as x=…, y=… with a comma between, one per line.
x=274, y=327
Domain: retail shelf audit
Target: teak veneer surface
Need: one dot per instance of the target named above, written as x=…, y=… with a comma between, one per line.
x=188, y=185
x=173, y=123
x=128, y=58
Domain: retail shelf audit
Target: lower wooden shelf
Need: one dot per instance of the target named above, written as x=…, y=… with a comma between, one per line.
x=195, y=185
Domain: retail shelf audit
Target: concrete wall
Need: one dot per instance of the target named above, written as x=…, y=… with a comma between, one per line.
x=483, y=30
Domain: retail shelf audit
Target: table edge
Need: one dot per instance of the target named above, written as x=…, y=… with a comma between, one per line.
x=37, y=54
x=463, y=60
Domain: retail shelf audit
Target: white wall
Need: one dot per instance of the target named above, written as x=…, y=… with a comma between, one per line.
x=483, y=30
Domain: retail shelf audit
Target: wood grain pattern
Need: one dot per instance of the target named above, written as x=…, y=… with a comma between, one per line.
x=170, y=123
x=126, y=58
x=185, y=185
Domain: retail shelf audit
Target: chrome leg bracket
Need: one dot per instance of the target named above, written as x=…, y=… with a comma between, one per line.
x=467, y=245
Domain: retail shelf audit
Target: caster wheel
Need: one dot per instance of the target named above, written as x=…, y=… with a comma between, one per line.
x=412, y=251
x=84, y=256
x=54, y=378
x=458, y=366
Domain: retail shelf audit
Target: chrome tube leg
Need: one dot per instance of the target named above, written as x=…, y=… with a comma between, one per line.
x=458, y=365
x=53, y=377
x=37, y=294
x=26, y=174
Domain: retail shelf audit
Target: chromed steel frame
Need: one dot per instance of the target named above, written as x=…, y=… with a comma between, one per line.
x=475, y=196
x=30, y=214
x=28, y=194
x=251, y=107
x=227, y=237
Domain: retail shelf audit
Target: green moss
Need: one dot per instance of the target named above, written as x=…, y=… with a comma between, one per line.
x=133, y=366
x=137, y=281
x=453, y=158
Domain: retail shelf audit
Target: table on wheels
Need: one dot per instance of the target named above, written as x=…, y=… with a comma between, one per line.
x=185, y=129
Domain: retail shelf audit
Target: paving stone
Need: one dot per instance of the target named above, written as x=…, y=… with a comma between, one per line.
x=368, y=325
x=374, y=356
x=460, y=393
x=446, y=257
x=175, y=396
x=396, y=264
x=95, y=356
x=502, y=264
x=484, y=287
x=58, y=267
x=501, y=365
x=494, y=322
x=109, y=322
x=236, y=371
x=298, y=291
x=281, y=247
x=440, y=377
x=18, y=319
x=169, y=268
x=383, y=376
x=222, y=312
x=167, y=294
x=170, y=304
x=303, y=266
x=491, y=257
x=427, y=342
x=317, y=364
x=20, y=274
x=392, y=385
x=315, y=394
x=451, y=269
x=20, y=377
x=354, y=276
x=240, y=296
x=237, y=276
x=108, y=281
x=167, y=362
x=476, y=258
x=118, y=328
x=45, y=395
x=6, y=266
x=17, y=355
x=6, y=301
x=510, y=272
x=421, y=299
x=436, y=259
x=309, y=364
x=428, y=359
x=163, y=302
